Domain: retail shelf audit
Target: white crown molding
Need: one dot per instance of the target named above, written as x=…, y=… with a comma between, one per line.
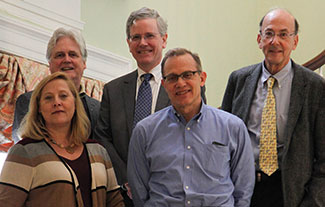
x=104, y=65
x=29, y=40
x=39, y=15
x=22, y=39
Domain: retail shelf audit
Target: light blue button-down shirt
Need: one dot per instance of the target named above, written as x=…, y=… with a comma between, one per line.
x=205, y=162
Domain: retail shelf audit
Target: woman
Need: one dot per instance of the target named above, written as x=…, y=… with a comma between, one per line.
x=54, y=164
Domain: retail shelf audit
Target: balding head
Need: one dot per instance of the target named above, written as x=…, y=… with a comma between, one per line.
x=281, y=12
x=277, y=38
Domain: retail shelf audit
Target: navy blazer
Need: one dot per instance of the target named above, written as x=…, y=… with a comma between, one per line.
x=303, y=162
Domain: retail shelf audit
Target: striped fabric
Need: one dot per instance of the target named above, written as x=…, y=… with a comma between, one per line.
x=34, y=175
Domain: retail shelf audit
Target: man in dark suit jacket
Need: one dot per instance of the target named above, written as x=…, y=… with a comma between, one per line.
x=146, y=37
x=66, y=51
x=300, y=116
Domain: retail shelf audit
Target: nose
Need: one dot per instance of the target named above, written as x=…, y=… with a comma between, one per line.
x=57, y=102
x=143, y=41
x=67, y=58
x=275, y=39
x=180, y=82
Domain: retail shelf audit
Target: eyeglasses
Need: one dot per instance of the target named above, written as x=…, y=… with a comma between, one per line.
x=147, y=37
x=269, y=35
x=187, y=75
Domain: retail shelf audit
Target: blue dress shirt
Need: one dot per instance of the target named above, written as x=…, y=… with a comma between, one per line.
x=205, y=162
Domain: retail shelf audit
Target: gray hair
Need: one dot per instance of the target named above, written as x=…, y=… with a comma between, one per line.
x=145, y=13
x=72, y=34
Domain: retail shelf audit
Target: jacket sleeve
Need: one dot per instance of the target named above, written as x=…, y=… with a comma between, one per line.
x=229, y=94
x=103, y=134
x=315, y=190
x=21, y=109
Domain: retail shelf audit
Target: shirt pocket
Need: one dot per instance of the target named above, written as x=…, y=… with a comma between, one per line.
x=218, y=157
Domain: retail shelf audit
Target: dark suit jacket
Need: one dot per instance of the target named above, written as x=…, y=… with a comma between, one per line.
x=22, y=105
x=114, y=126
x=303, y=162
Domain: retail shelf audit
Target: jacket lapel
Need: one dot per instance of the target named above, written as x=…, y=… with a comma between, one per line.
x=128, y=90
x=90, y=109
x=162, y=100
x=249, y=90
x=296, y=102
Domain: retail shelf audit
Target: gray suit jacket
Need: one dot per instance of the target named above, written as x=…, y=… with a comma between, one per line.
x=303, y=162
x=22, y=105
x=114, y=126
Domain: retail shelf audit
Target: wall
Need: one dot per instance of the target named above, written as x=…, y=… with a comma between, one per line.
x=222, y=32
x=27, y=25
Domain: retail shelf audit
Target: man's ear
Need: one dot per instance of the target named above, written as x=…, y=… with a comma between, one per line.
x=296, y=40
x=203, y=77
x=129, y=42
x=164, y=38
x=259, y=41
x=85, y=65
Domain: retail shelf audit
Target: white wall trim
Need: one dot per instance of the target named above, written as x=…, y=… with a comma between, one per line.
x=104, y=65
x=39, y=15
x=29, y=40
x=22, y=39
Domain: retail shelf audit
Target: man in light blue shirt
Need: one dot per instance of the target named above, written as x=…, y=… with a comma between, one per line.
x=189, y=154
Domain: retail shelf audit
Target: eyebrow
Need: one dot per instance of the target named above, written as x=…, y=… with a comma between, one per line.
x=153, y=33
x=70, y=51
x=282, y=30
x=60, y=91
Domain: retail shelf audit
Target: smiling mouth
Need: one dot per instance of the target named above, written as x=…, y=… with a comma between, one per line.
x=66, y=69
x=179, y=93
x=275, y=50
x=144, y=51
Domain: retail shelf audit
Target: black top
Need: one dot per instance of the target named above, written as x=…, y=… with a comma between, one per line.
x=83, y=174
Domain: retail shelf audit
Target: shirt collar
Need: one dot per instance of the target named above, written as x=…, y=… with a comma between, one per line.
x=156, y=73
x=82, y=91
x=197, y=117
x=280, y=76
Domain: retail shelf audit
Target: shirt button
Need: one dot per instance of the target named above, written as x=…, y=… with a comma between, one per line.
x=187, y=167
x=188, y=202
x=186, y=187
x=188, y=147
x=198, y=121
x=188, y=128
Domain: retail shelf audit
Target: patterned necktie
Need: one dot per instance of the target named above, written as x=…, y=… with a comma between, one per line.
x=144, y=99
x=268, y=151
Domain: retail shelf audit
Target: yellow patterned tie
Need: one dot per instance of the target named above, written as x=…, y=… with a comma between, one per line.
x=268, y=152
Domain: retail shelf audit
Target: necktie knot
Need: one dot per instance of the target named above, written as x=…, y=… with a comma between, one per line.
x=270, y=82
x=146, y=77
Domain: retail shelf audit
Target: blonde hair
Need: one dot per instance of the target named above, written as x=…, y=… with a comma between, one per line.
x=33, y=125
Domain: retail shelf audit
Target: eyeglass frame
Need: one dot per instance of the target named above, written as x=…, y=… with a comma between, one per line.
x=147, y=36
x=182, y=75
x=264, y=36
